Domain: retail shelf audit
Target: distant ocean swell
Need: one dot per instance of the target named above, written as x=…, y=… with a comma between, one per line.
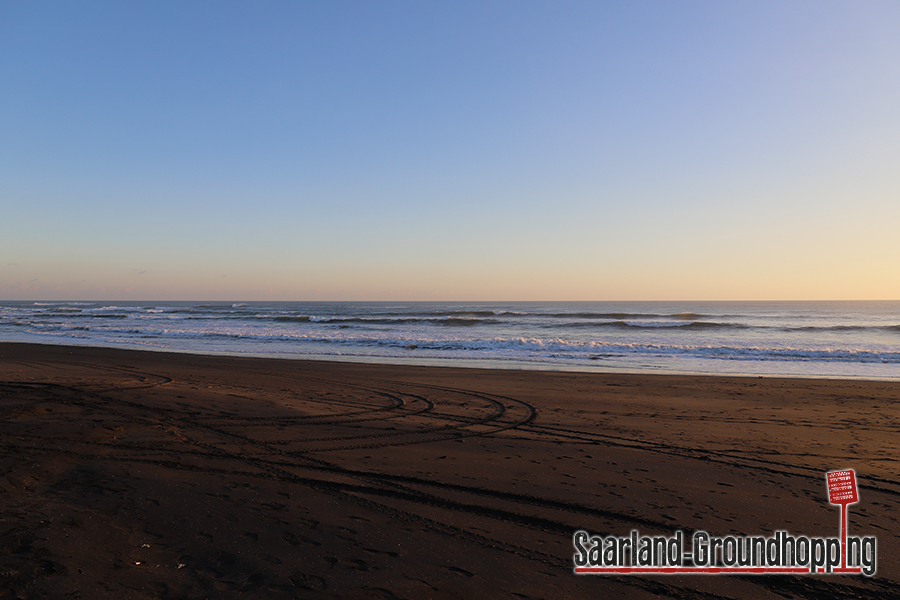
x=597, y=321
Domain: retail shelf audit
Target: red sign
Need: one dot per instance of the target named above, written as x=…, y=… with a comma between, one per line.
x=842, y=487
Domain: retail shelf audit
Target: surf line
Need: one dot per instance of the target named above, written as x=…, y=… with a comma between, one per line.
x=779, y=554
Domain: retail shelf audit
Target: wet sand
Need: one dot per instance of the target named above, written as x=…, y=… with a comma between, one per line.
x=129, y=474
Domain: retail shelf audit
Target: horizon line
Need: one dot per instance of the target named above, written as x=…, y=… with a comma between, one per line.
x=98, y=300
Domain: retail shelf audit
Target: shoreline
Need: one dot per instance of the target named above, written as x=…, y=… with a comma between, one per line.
x=485, y=364
x=154, y=474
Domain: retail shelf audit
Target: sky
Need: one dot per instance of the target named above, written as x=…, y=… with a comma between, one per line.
x=647, y=150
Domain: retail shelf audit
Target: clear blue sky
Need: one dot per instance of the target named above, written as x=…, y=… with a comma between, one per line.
x=456, y=150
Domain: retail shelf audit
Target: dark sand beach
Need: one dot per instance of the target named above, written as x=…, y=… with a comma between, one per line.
x=130, y=474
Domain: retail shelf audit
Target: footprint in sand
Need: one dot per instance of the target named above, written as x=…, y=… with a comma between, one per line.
x=458, y=571
x=307, y=582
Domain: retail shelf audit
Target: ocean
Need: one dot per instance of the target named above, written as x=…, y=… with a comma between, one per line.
x=817, y=339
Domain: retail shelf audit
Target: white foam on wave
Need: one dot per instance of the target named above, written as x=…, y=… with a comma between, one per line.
x=684, y=323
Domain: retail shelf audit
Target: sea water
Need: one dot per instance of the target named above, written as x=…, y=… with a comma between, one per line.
x=831, y=339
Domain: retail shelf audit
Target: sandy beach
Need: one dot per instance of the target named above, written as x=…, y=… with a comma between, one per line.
x=131, y=474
